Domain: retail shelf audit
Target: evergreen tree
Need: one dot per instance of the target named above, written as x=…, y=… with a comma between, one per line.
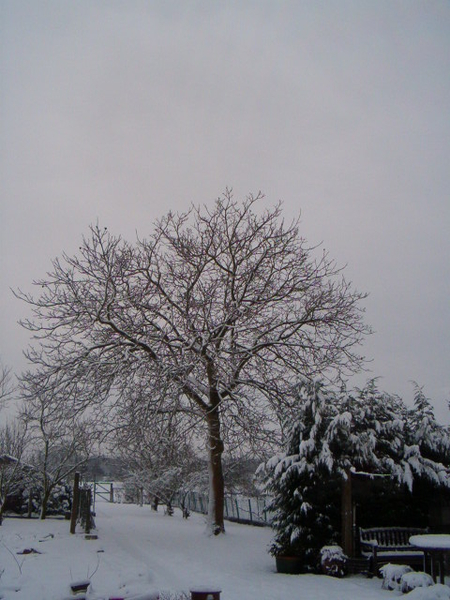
x=335, y=433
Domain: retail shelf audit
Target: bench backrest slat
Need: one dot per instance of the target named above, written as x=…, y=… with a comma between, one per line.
x=390, y=537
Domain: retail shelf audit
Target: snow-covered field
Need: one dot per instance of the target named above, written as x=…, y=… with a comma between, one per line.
x=139, y=551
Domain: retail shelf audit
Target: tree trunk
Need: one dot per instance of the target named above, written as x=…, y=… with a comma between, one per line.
x=216, y=482
x=45, y=498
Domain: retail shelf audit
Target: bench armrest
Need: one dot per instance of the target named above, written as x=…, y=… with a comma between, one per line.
x=370, y=543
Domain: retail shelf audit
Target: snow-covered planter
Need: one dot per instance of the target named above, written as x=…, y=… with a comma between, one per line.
x=78, y=587
x=392, y=576
x=333, y=561
x=434, y=592
x=289, y=565
x=413, y=580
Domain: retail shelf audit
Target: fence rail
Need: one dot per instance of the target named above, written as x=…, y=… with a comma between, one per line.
x=243, y=509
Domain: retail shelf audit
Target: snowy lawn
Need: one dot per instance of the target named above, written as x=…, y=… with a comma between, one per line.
x=139, y=551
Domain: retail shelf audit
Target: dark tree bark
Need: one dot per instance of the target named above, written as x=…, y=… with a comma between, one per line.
x=216, y=495
x=44, y=505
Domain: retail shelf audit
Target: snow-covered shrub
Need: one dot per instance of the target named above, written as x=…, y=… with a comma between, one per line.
x=434, y=592
x=392, y=576
x=333, y=561
x=59, y=503
x=337, y=432
x=415, y=579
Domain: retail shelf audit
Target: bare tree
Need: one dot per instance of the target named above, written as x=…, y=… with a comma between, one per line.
x=6, y=385
x=60, y=440
x=215, y=316
x=14, y=474
x=159, y=454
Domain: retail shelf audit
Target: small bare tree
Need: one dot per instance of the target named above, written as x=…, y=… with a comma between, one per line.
x=159, y=455
x=60, y=440
x=215, y=315
x=6, y=385
x=14, y=474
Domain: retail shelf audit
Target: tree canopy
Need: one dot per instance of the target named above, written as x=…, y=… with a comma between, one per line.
x=214, y=315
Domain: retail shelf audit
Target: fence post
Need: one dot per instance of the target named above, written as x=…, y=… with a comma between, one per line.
x=85, y=509
x=237, y=507
x=111, y=494
x=250, y=509
x=75, y=502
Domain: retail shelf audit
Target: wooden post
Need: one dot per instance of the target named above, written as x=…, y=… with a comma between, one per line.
x=75, y=502
x=89, y=522
x=111, y=494
x=347, y=515
x=30, y=503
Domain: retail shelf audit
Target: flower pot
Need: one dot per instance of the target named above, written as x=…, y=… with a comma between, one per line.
x=79, y=587
x=291, y=565
x=205, y=593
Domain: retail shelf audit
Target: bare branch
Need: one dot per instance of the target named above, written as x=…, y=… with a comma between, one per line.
x=214, y=317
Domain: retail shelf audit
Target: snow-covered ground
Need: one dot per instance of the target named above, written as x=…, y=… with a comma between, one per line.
x=139, y=551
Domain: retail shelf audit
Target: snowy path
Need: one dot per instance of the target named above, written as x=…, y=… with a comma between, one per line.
x=175, y=554
x=139, y=551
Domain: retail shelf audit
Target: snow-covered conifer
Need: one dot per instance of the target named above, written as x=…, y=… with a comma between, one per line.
x=334, y=433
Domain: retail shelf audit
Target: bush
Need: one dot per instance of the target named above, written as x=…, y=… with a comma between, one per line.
x=60, y=501
x=333, y=561
x=392, y=576
x=413, y=580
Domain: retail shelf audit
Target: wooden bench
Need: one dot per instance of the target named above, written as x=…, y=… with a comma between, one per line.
x=382, y=545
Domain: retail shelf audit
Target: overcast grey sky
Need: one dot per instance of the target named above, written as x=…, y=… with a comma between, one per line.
x=121, y=110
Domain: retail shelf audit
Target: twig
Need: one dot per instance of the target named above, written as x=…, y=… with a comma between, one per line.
x=96, y=568
x=14, y=557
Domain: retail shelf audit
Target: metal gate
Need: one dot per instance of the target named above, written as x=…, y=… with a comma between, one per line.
x=103, y=491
